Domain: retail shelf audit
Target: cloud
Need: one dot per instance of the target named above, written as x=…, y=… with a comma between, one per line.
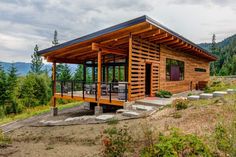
x=24, y=23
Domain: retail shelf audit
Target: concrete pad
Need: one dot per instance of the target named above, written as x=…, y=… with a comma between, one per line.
x=130, y=114
x=51, y=122
x=206, y=96
x=193, y=97
x=219, y=93
x=79, y=118
x=142, y=107
x=104, y=117
x=98, y=110
x=121, y=111
x=231, y=91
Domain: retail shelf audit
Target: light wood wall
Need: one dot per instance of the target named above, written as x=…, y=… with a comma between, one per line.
x=191, y=62
x=143, y=52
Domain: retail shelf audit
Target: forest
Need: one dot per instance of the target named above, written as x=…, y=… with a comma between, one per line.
x=226, y=53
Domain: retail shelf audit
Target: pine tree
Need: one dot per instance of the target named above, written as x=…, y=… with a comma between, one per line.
x=213, y=51
x=55, y=40
x=65, y=73
x=36, y=62
x=3, y=85
x=11, y=104
x=78, y=76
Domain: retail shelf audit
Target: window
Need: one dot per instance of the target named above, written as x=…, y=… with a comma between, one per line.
x=174, y=70
x=200, y=70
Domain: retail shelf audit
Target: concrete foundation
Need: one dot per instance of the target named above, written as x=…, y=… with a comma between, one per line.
x=54, y=111
x=98, y=110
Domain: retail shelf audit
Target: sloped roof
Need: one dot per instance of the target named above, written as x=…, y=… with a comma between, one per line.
x=123, y=26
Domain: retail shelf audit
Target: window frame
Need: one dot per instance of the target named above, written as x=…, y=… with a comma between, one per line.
x=182, y=72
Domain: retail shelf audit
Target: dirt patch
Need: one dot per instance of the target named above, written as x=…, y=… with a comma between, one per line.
x=85, y=140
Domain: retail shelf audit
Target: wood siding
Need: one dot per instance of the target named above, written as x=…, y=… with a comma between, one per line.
x=143, y=52
x=190, y=75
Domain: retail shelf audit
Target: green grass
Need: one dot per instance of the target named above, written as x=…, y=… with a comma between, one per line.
x=29, y=112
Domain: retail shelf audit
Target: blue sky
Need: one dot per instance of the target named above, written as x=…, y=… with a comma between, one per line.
x=24, y=23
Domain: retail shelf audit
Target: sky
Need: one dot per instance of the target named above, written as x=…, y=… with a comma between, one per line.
x=25, y=23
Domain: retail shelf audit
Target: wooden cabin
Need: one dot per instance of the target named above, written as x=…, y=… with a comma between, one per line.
x=149, y=56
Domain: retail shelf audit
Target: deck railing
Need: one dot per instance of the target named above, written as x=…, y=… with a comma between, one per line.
x=111, y=90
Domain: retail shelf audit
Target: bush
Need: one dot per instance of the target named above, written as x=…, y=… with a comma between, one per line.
x=225, y=139
x=163, y=94
x=180, y=104
x=116, y=142
x=4, y=141
x=177, y=144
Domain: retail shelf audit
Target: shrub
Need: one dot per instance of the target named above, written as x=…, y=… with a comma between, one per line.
x=225, y=139
x=113, y=121
x=4, y=141
x=163, y=94
x=116, y=142
x=177, y=144
x=180, y=104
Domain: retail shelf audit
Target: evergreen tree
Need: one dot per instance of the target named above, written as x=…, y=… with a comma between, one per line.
x=55, y=40
x=3, y=85
x=78, y=76
x=36, y=62
x=65, y=73
x=11, y=103
x=213, y=51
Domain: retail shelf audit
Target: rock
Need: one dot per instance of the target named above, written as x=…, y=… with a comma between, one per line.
x=142, y=107
x=130, y=114
x=231, y=91
x=83, y=118
x=193, y=97
x=104, y=117
x=219, y=93
x=206, y=96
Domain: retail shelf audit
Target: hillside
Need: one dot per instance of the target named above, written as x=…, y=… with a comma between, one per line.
x=226, y=53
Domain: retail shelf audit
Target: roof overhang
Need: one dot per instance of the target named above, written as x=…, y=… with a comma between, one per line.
x=117, y=37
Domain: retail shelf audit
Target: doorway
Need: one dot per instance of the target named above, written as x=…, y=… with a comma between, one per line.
x=148, y=79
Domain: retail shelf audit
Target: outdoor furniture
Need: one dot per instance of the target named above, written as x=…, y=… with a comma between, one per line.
x=104, y=89
x=87, y=89
x=121, y=91
x=93, y=89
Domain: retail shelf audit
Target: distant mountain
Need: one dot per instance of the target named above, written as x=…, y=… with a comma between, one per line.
x=221, y=44
x=23, y=68
x=226, y=53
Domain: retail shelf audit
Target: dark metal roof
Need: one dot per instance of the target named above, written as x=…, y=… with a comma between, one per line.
x=118, y=27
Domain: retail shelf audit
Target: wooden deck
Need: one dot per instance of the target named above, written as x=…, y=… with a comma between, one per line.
x=104, y=99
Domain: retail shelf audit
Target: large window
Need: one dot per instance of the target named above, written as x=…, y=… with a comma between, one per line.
x=174, y=70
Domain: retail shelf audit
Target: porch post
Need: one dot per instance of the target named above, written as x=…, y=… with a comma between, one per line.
x=54, y=108
x=99, y=75
x=93, y=71
x=107, y=74
x=114, y=68
x=130, y=67
x=84, y=71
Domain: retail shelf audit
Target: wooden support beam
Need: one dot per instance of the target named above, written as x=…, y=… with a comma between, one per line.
x=54, y=68
x=130, y=67
x=99, y=76
x=84, y=71
x=165, y=40
x=107, y=50
x=63, y=60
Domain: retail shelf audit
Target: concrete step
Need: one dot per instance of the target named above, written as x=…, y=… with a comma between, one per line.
x=206, y=96
x=193, y=97
x=154, y=103
x=219, y=93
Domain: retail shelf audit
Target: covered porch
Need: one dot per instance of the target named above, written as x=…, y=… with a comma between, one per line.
x=108, y=69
